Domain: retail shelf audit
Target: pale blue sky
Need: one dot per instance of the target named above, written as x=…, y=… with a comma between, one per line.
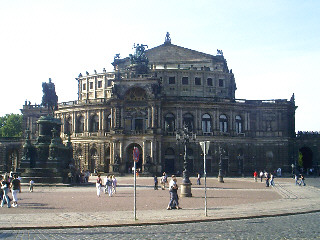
x=272, y=46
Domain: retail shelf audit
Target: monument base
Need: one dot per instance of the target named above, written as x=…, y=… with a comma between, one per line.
x=186, y=190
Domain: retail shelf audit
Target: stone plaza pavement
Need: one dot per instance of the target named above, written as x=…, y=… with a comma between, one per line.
x=236, y=198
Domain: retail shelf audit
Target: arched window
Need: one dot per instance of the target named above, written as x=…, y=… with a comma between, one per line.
x=68, y=126
x=188, y=121
x=80, y=124
x=93, y=161
x=238, y=124
x=169, y=123
x=94, y=123
x=223, y=121
x=206, y=123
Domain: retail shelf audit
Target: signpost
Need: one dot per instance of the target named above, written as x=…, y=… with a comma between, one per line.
x=205, y=148
x=136, y=154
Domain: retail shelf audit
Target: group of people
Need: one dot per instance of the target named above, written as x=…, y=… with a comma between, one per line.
x=173, y=189
x=163, y=181
x=9, y=184
x=269, y=177
x=109, y=184
x=301, y=178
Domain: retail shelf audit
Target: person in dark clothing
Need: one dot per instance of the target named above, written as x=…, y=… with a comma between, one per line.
x=155, y=179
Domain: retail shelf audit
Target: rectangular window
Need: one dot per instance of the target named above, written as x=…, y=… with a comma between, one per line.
x=84, y=86
x=197, y=81
x=209, y=82
x=99, y=84
x=91, y=85
x=185, y=81
x=172, y=80
x=221, y=83
x=109, y=83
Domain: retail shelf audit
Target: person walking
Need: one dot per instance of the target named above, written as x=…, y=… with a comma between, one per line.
x=261, y=175
x=173, y=190
x=255, y=176
x=109, y=186
x=98, y=185
x=105, y=190
x=15, y=188
x=1, y=190
x=271, y=181
x=267, y=179
x=155, y=180
x=296, y=179
x=164, y=180
x=198, y=179
x=31, y=184
x=302, y=181
x=5, y=189
x=114, y=184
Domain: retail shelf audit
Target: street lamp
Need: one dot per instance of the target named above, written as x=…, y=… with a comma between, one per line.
x=220, y=175
x=185, y=136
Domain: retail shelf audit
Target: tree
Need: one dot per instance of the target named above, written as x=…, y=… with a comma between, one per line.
x=11, y=125
x=300, y=160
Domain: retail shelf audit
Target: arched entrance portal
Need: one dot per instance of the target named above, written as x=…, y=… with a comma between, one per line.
x=169, y=161
x=129, y=153
x=306, y=158
x=92, y=166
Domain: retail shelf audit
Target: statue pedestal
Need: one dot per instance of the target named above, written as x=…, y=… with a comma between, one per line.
x=186, y=190
x=115, y=168
x=146, y=168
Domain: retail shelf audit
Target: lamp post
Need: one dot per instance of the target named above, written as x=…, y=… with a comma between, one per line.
x=220, y=175
x=205, y=149
x=184, y=136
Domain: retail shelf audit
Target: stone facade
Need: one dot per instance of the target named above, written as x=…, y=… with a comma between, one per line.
x=152, y=94
x=119, y=110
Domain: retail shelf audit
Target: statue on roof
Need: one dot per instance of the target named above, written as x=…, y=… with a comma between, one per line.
x=292, y=98
x=139, y=56
x=168, y=39
x=219, y=52
x=139, y=60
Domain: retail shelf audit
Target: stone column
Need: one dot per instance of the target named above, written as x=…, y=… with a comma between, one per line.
x=115, y=159
x=143, y=152
x=74, y=117
x=153, y=117
x=159, y=117
x=149, y=118
x=111, y=119
x=122, y=119
x=86, y=123
x=63, y=119
x=151, y=150
x=100, y=121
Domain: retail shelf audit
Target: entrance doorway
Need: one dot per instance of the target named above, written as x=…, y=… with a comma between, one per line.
x=169, y=161
x=306, y=158
x=92, y=166
x=130, y=163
